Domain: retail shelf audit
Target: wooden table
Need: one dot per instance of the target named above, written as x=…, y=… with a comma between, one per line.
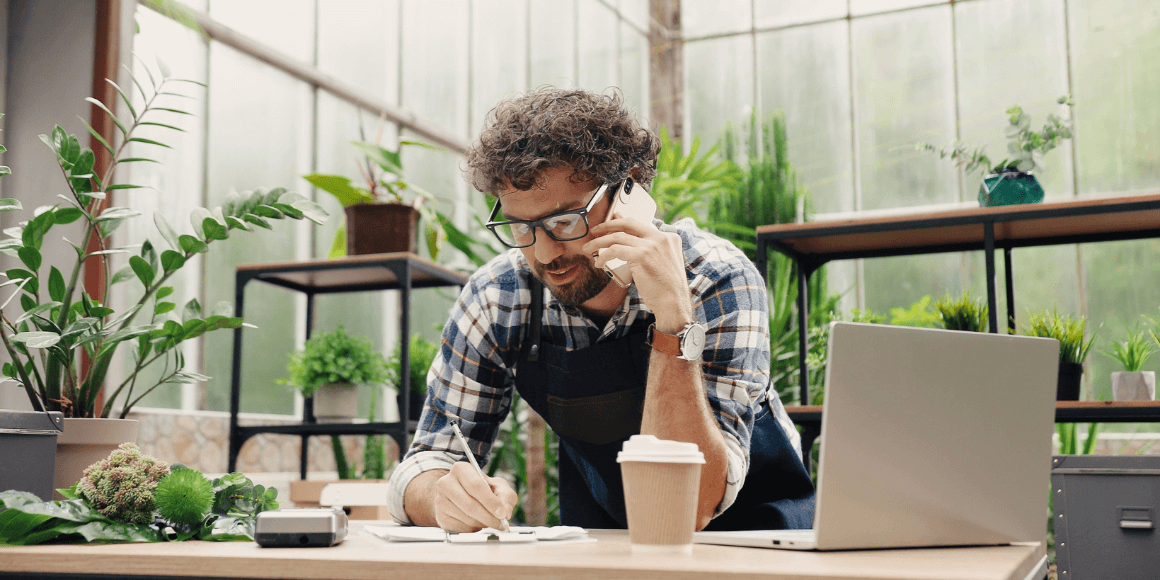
x=366, y=557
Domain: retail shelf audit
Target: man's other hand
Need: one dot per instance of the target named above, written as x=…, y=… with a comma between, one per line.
x=464, y=503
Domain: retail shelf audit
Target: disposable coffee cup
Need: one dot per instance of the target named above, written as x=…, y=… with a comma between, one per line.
x=662, y=481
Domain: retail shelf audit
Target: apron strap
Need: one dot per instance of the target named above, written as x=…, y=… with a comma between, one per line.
x=537, y=314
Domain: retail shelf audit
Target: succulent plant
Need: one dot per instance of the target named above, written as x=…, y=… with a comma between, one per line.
x=122, y=485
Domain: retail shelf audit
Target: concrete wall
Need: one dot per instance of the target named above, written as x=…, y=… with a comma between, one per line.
x=49, y=64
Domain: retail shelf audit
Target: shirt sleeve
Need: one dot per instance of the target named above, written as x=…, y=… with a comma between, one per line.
x=735, y=366
x=468, y=382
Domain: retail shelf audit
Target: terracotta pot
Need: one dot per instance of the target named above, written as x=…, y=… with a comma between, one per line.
x=380, y=228
x=85, y=442
x=336, y=403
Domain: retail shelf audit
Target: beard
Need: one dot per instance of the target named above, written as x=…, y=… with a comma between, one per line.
x=583, y=287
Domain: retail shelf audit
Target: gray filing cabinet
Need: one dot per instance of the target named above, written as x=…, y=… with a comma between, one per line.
x=1105, y=509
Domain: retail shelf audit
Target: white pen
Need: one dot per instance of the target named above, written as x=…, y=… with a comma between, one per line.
x=471, y=458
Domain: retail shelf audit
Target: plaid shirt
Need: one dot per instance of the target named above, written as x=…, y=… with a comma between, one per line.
x=473, y=377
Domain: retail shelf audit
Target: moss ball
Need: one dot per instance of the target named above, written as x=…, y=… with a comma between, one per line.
x=184, y=496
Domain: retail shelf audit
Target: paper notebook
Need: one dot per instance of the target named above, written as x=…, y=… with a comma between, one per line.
x=517, y=534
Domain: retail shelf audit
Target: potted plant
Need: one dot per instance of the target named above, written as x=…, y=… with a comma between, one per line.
x=59, y=322
x=962, y=314
x=1073, y=348
x=330, y=368
x=421, y=354
x=1133, y=384
x=1011, y=181
x=383, y=214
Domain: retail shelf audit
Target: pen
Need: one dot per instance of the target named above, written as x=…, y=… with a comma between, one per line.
x=471, y=458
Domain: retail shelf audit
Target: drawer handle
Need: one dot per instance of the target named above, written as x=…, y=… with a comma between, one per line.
x=1135, y=525
x=1135, y=518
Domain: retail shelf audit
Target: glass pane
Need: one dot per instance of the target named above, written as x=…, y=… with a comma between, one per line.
x=634, y=69
x=991, y=35
x=1123, y=285
x=358, y=43
x=718, y=86
x=435, y=63
x=704, y=17
x=499, y=54
x=597, y=44
x=636, y=12
x=768, y=14
x=1115, y=50
x=805, y=73
x=175, y=184
x=552, y=40
x=904, y=84
x=259, y=136
x=293, y=35
x=859, y=7
x=900, y=282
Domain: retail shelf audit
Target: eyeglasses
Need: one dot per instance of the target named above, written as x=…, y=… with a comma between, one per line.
x=563, y=226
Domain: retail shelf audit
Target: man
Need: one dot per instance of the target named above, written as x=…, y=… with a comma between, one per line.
x=598, y=361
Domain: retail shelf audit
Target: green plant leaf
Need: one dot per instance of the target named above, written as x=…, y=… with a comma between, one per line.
x=98, y=137
x=30, y=257
x=68, y=215
x=311, y=211
x=163, y=292
x=268, y=212
x=388, y=160
x=122, y=275
x=143, y=270
x=33, y=285
x=191, y=245
x=171, y=260
x=33, y=234
x=163, y=307
x=39, y=309
x=237, y=223
x=9, y=204
x=149, y=141
x=166, y=230
x=56, y=285
x=117, y=213
x=214, y=230
x=191, y=311
x=251, y=218
x=340, y=188
x=37, y=339
x=124, y=186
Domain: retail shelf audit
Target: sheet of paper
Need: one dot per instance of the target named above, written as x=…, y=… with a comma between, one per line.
x=517, y=534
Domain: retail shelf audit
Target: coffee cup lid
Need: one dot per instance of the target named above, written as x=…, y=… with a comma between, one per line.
x=649, y=448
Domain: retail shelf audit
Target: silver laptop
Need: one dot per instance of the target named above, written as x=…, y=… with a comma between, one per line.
x=929, y=438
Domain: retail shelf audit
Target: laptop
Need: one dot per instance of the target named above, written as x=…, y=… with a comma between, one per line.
x=929, y=438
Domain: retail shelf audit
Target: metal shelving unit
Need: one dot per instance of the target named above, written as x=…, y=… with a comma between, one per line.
x=811, y=245
x=399, y=271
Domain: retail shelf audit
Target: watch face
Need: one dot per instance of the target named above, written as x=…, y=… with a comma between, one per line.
x=693, y=342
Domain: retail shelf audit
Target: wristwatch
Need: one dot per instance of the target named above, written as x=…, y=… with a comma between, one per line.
x=688, y=344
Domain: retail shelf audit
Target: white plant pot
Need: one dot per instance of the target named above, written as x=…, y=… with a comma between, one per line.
x=336, y=403
x=1137, y=386
x=85, y=442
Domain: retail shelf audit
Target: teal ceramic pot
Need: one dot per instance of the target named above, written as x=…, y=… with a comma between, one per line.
x=1009, y=188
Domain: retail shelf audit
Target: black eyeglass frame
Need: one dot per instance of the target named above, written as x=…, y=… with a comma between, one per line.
x=539, y=223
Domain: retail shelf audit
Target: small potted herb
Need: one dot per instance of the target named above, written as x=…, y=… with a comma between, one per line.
x=422, y=354
x=962, y=314
x=1073, y=348
x=1011, y=181
x=1133, y=384
x=330, y=368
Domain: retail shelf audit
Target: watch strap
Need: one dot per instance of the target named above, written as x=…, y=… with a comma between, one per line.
x=669, y=344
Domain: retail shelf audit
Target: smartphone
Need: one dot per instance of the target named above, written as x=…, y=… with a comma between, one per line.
x=630, y=200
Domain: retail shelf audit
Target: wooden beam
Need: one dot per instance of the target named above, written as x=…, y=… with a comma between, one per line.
x=666, y=72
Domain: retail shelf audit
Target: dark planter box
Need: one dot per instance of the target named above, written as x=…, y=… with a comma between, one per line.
x=28, y=451
x=381, y=228
x=1067, y=384
x=1105, y=509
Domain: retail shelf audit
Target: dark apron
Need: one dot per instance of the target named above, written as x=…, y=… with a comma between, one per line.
x=593, y=399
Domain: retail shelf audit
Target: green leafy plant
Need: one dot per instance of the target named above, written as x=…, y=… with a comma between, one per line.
x=867, y=316
x=335, y=357
x=59, y=322
x=422, y=353
x=178, y=507
x=918, y=315
x=383, y=181
x=1070, y=332
x=1133, y=352
x=686, y=184
x=1025, y=146
x=962, y=313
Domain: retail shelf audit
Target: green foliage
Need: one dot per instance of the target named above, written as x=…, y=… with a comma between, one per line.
x=121, y=486
x=1134, y=351
x=422, y=354
x=382, y=180
x=962, y=313
x=184, y=497
x=65, y=322
x=233, y=507
x=867, y=316
x=335, y=357
x=919, y=315
x=1025, y=146
x=686, y=184
x=1070, y=332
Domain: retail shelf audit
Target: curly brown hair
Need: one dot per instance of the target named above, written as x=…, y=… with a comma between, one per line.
x=593, y=134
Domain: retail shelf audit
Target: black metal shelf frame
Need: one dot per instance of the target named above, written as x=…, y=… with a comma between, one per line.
x=404, y=268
